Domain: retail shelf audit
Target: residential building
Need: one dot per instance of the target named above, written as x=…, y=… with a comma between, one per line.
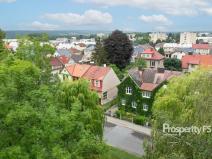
x=103, y=80
x=153, y=58
x=188, y=38
x=137, y=51
x=154, y=37
x=202, y=49
x=192, y=62
x=205, y=39
x=137, y=91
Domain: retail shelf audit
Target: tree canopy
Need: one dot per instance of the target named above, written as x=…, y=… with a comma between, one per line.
x=119, y=49
x=172, y=64
x=185, y=102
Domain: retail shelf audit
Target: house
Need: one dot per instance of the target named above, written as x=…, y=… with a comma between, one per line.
x=103, y=80
x=153, y=58
x=202, y=49
x=63, y=52
x=58, y=63
x=87, y=54
x=178, y=55
x=137, y=91
x=192, y=62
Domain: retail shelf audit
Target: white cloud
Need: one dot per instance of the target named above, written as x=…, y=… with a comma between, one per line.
x=160, y=29
x=208, y=11
x=42, y=26
x=158, y=19
x=7, y=1
x=89, y=17
x=172, y=7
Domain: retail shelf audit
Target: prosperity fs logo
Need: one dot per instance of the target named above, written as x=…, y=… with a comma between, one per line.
x=171, y=130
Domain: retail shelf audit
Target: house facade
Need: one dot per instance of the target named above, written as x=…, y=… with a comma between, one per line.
x=103, y=80
x=137, y=91
x=153, y=58
x=192, y=62
x=202, y=49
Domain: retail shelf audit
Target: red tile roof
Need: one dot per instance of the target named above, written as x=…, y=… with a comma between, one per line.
x=148, y=86
x=149, y=51
x=77, y=70
x=201, y=46
x=55, y=62
x=155, y=55
x=64, y=59
x=96, y=72
x=202, y=60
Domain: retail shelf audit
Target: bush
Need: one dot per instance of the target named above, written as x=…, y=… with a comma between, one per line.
x=139, y=119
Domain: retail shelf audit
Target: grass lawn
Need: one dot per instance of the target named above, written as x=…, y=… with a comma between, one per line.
x=115, y=153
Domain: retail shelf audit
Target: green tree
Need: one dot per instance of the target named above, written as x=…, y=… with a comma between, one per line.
x=99, y=56
x=139, y=63
x=2, y=47
x=39, y=121
x=119, y=49
x=185, y=102
x=118, y=72
x=172, y=64
x=161, y=51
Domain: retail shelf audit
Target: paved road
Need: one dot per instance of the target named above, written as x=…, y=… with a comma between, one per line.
x=123, y=123
x=124, y=138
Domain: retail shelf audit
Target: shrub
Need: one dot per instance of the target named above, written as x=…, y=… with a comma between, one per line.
x=139, y=119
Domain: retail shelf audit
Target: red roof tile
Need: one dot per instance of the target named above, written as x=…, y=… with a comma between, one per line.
x=202, y=60
x=55, y=62
x=148, y=86
x=96, y=73
x=77, y=70
x=64, y=59
x=201, y=46
x=149, y=51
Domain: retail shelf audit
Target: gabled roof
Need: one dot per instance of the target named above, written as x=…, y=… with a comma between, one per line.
x=155, y=55
x=88, y=71
x=76, y=58
x=96, y=72
x=55, y=61
x=77, y=70
x=150, y=79
x=202, y=60
x=63, y=59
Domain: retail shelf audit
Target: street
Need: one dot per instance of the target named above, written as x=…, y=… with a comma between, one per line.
x=124, y=138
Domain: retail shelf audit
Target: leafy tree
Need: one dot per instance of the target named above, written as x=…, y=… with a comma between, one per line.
x=99, y=56
x=185, y=102
x=119, y=49
x=39, y=121
x=161, y=51
x=139, y=63
x=172, y=64
x=2, y=47
x=118, y=72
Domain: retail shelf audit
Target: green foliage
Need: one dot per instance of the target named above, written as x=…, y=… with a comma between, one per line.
x=99, y=56
x=185, y=102
x=139, y=63
x=161, y=51
x=142, y=38
x=119, y=49
x=139, y=119
x=172, y=64
x=118, y=72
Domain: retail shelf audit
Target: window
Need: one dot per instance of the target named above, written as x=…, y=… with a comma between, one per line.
x=152, y=63
x=123, y=102
x=104, y=95
x=134, y=105
x=97, y=83
x=145, y=107
x=129, y=90
x=146, y=94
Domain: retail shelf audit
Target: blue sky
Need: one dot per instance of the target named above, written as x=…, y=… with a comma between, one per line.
x=127, y=15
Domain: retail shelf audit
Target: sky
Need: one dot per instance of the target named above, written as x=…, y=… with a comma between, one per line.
x=107, y=15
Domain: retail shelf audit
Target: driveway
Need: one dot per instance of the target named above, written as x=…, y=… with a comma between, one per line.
x=124, y=138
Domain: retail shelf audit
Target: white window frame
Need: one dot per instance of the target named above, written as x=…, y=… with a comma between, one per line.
x=96, y=83
x=123, y=102
x=145, y=107
x=128, y=90
x=146, y=94
x=152, y=63
x=134, y=104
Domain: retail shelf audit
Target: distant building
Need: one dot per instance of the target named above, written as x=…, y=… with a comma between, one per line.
x=203, y=39
x=202, y=49
x=188, y=38
x=192, y=62
x=158, y=36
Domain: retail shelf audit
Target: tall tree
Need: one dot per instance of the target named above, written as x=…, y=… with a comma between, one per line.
x=2, y=47
x=172, y=64
x=99, y=56
x=119, y=49
x=186, y=102
x=161, y=51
